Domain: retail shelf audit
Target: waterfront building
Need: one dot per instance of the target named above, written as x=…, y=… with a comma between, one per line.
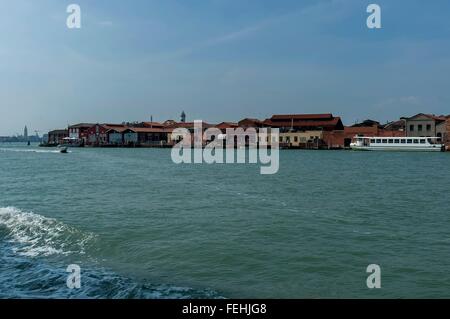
x=443, y=131
x=447, y=135
x=115, y=135
x=442, y=128
x=423, y=125
x=56, y=137
x=145, y=136
x=97, y=135
x=305, y=122
x=301, y=139
x=304, y=130
x=295, y=130
x=173, y=137
x=130, y=137
x=79, y=131
x=343, y=138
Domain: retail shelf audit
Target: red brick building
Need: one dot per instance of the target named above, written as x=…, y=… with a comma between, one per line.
x=172, y=138
x=56, y=137
x=443, y=131
x=80, y=131
x=305, y=122
x=98, y=134
x=145, y=136
x=343, y=138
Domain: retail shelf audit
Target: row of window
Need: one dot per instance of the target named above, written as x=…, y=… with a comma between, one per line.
x=287, y=139
x=419, y=127
x=399, y=141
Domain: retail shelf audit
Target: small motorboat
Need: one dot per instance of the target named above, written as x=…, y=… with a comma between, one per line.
x=63, y=150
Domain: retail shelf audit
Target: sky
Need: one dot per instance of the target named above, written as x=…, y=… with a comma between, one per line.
x=219, y=60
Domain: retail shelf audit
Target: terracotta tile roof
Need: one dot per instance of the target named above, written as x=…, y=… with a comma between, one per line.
x=431, y=116
x=437, y=118
x=361, y=130
x=113, y=125
x=152, y=124
x=187, y=125
x=117, y=129
x=60, y=131
x=82, y=125
x=227, y=125
x=250, y=119
x=333, y=123
x=250, y=122
x=367, y=123
x=302, y=117
x=396, y=125
x=145, y=129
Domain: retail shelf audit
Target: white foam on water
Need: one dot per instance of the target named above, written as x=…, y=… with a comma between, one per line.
x=30, y=150
x=33, y=235
x=36, y=235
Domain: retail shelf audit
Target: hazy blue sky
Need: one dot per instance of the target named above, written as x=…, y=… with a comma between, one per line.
x=220, y=60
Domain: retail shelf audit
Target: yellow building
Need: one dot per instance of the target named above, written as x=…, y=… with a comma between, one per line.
x=305, y=139
x=298, y=139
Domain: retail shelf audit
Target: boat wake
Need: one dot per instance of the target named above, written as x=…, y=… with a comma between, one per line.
x=27, y=243
x=35, y=235
x=56, y=151
x=39, y=279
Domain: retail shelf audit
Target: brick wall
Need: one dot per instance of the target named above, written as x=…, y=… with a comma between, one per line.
x=447, y=134
x=337, y=139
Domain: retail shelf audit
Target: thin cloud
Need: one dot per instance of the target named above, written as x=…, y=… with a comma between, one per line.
x=106, y=23
x=229, y=37
x=313, y=10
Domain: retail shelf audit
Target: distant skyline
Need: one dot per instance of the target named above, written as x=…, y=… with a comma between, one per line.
x=219, y=60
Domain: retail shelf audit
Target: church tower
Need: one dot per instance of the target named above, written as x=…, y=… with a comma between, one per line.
x=25, y=132
x=183, y=117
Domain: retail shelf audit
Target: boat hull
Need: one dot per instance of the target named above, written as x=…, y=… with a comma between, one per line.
x=397, y=149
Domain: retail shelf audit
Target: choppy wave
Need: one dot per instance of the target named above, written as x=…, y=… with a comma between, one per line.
x=36, y=235
x=26, y=235
x=24, y=277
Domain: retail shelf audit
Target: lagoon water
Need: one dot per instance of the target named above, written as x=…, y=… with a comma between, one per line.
x=140, y=226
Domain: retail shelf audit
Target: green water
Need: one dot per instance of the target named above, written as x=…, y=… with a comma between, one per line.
x=309, y=231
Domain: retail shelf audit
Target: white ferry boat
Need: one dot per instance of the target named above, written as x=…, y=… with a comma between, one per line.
x=423, y=144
